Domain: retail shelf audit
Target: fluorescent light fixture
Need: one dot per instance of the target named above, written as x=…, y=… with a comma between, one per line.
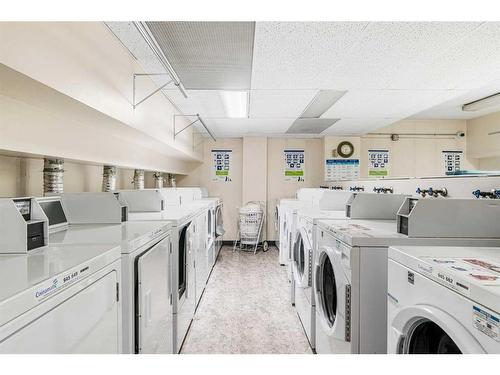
x=235, y=103
x=489, y=101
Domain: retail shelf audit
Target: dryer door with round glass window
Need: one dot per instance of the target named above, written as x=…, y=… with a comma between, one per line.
x=332, y=291
x=302, y=260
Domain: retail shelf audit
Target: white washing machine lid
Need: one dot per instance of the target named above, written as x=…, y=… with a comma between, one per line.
x=473, y=272
x=131, y=235
x=27, y=280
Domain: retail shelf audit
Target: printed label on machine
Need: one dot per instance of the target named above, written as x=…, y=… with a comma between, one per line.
x=59, y=282
x=458, y=273
x=486, y=323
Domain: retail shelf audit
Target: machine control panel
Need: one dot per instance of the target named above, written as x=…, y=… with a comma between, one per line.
x=23, y=205
x=430, y=218
x=25, y=227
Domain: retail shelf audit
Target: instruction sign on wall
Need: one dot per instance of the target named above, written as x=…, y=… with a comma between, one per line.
x=452, y=161
x=221, y=167
x=294, y=165
x=378, y=163
x=341, y=169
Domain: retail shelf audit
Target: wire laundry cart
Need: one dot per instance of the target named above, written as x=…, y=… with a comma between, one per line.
x=251, y=218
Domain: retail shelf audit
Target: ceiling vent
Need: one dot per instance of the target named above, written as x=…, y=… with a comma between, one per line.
x=208, y=55
x=321, y=102
x=309, y=121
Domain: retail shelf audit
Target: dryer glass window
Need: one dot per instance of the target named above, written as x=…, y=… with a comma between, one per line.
x=299, y=256
x=329, y=290
x=429, y=338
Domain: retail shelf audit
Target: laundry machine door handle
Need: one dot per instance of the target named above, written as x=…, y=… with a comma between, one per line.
x=317, y=283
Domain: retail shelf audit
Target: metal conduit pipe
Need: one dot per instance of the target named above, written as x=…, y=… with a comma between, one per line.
x=159, y=179
x=53, y=176
x=108, y=178
x=138, y=179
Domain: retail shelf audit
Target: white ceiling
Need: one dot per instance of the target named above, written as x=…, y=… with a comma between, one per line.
x=390, y=70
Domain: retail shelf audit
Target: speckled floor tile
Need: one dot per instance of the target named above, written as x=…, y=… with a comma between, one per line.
x=246, y=310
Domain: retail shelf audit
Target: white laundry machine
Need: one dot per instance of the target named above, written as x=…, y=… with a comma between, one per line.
x=183, y=222
x=350, y=277
x=44, y=288
x=302, y=265
x=305, y=197
x=443, y=300
x=145, y=247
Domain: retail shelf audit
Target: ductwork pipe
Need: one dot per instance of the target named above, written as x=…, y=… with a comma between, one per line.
x=108, y=178
x=171, y=178
x=159, y=179
x=53, y=176
x=138, y=179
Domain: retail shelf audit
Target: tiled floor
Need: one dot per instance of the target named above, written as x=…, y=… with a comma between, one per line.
x=246, y=308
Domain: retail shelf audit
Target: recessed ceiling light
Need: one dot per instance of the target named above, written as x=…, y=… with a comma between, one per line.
x=235, y=103
x=489, y=101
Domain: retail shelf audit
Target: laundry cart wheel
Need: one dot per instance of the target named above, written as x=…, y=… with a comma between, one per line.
x=265, y=246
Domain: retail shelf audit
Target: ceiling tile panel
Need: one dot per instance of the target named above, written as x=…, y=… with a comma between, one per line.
x=354, y=126
x=279, y=103
x=387, y=103
x=301, y=55
x=242, y=127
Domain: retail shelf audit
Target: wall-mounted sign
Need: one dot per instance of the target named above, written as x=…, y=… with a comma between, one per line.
x=452, y=161
x=294, y=165
x=341, y=169
x=221, y=167
x=378, y=163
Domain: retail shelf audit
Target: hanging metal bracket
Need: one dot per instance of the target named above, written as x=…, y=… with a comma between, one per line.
x=198, y=119
x=135, y=104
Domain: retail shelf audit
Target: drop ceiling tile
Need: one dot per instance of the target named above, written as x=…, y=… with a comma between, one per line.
x=207, y=103
x=248, y=126
x=279, y=103
x=356, y=126
x=470, y=64
x=388, y=51
x=301, y=55
x=311, y=125
x=452, y=109
x=387, y=103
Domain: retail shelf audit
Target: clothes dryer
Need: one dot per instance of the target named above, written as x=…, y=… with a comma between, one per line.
x=45, y=288
x=145, y=246
x=183, y=222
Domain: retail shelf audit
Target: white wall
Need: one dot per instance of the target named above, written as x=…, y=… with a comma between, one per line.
x=230, y=192
x=64, y=74
x=411, y=155
x=257, y=174
x=24, y=177
x=480, y=144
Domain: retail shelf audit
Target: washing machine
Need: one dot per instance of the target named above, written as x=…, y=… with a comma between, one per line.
x=318, y=200
x=305, y=197
x=443, y=300
x=350, y=275
x=45, y=288
x=183, y=237
x=145, y=247
x=302, y=264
